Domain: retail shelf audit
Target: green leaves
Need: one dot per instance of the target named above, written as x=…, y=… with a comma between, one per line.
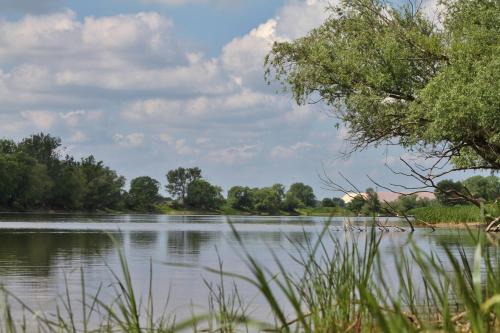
x=391, y=75
x=34, y=176
x=179, y=180
x=143, y=193
x=203, y=195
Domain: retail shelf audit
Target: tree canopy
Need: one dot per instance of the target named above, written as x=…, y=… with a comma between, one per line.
x=269, y=199
x=449, y=192
x=179, y=180
x=303, y=193
x=240, y=197
x=487, y=188
x=34, y=176
x=203, y=195
x=392, y=75
x=143, y=193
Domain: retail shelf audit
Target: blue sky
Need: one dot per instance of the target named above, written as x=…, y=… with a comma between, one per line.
x=150, y=85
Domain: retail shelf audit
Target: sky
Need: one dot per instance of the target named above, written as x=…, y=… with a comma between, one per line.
x=150, y=85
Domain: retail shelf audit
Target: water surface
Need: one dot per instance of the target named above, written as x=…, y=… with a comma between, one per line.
x=42, y=254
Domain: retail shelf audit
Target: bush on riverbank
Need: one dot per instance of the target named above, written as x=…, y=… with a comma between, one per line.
x=452, y=214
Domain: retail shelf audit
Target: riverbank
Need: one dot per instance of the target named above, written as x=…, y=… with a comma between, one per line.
x=450, y=225
x=309, y=211
x=305, y=212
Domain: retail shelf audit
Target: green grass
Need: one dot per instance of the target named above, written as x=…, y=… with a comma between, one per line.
x=228, y=210
x=343, y=287
x=168, y=210
x=452, y=214
x=324, y=211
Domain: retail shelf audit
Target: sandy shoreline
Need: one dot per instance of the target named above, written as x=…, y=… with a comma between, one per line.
x=453, y=225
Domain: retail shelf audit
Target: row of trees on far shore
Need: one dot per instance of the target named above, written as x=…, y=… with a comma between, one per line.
x=34, y=176
x=190, y=190
x=448, y=193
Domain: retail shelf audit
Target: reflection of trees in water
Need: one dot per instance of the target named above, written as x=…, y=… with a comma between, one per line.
x=454, y=238
x=393, y=245
x=275, y=237
x=143, y=239
x=35, y=253
x=183, y=242
x=300, y=238
x=191, y=242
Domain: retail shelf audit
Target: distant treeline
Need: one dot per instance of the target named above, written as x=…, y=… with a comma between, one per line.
x=34, y=176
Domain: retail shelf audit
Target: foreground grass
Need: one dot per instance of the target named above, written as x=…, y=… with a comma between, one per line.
x=343, y=287
x=453, y=214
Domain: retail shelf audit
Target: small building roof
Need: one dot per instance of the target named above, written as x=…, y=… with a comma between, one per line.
x=386, y=196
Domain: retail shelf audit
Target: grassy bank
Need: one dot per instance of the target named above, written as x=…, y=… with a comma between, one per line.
x=452, y=214
x=324, y=211
x=343, y=288
x=227, y=210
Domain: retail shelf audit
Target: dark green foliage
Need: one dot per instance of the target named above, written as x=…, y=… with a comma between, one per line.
x=332, y=202
x=356, y=204
x=179, y=180
x=269, y=199
x=32, y=176
x=366, y=203
x=24, y=182
x=201, y=194
x=487, y=188
x=372, y=203
x=303, y=194
x=42, y=147
x=291, y=202
x=405, y=203
x=7, y=146
x=338, y=202
x=143, y=193
x=104, y=186
x=448, y=193
x=70, y=186
x=9, y=179
x=279, y=191
x=240, y=197
x=327, y=202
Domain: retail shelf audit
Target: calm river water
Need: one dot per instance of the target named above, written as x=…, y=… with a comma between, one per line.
x=42, y=254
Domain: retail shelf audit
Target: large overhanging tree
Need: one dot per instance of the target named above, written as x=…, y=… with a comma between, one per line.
x=394, y=76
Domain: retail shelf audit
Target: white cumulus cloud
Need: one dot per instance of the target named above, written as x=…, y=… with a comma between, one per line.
x=86, y=77
x=235, y=155
x=282, y=152
x=129, y=140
